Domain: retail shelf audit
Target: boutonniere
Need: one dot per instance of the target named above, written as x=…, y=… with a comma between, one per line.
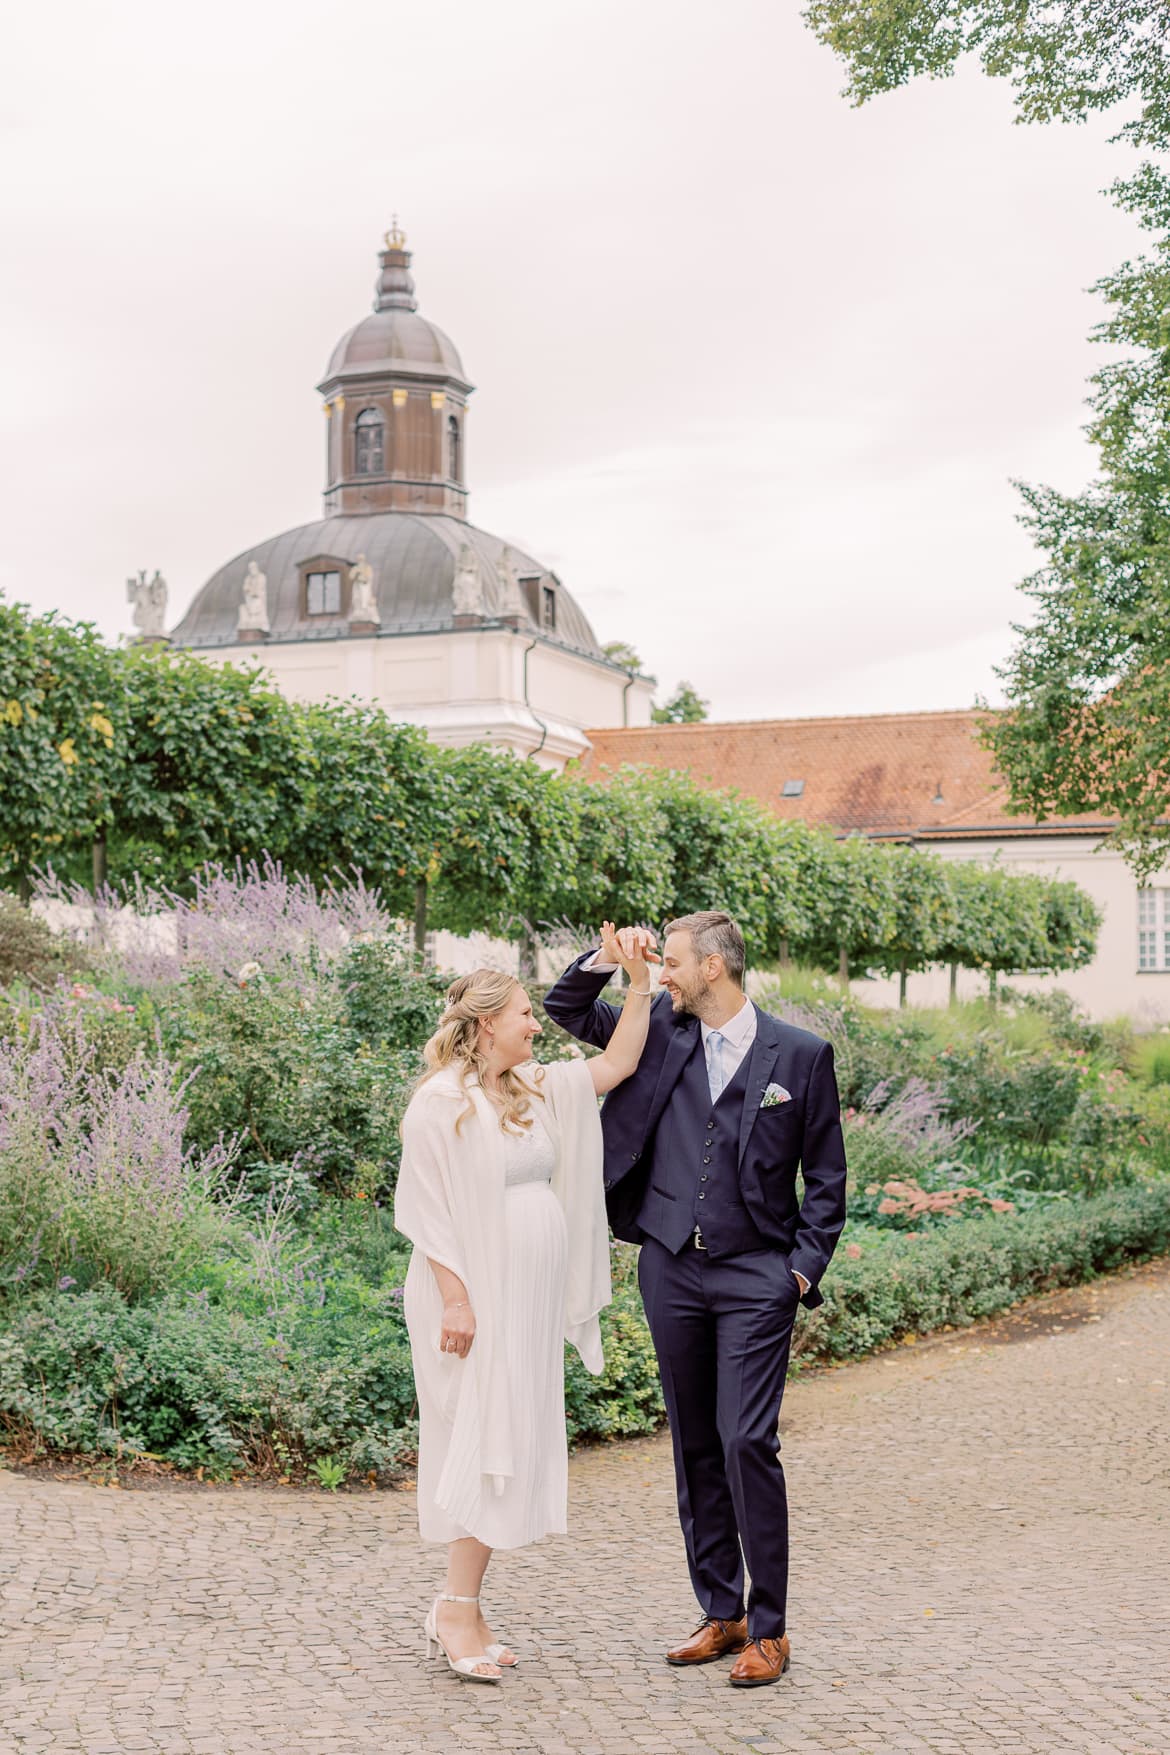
x=775, y=1095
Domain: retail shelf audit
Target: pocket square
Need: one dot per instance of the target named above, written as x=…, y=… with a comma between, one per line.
x=773, y=1095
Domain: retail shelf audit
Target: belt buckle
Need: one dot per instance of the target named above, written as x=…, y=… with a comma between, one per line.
x=699, y=1244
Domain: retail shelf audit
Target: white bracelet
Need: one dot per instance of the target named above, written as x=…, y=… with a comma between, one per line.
x=642, y=992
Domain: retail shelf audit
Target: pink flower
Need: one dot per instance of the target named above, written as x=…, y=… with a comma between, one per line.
x=853, y=1251
x=1002, y=1206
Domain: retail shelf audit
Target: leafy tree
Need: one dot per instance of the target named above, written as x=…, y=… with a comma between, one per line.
x=853, y=922
x=685, y=707
x=62, y=736
x=624, y=852
x=723, y=857
x=1089, y=683
x=377, y=801
x=925, y=910
x=217, y=765
x=621, y=652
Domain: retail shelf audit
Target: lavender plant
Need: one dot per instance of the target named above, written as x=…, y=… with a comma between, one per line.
x=246, y=916
x=96, y=1182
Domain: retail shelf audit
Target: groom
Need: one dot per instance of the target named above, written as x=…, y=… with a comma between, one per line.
x=702, y=1144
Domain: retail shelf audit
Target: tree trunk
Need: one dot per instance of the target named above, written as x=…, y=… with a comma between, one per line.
x=843, y=968
x=528, y=949
x=100, y=865
x=785, y=954
x=420, y=918
x=902, y=987
x=953, y=997
x=993, y=987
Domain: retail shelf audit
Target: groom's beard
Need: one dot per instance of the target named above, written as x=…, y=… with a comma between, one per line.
x=687, y=999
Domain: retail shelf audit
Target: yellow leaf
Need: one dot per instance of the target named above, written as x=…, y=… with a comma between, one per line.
x=14, y=712
x=99, y=723
x=67, y=753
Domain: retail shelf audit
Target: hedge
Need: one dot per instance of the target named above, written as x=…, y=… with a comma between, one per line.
x=198, y=1385
x=976, y=1267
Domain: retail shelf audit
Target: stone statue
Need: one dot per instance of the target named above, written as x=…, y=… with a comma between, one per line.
x=511, y=600
x=149, y=598
x=362, y=607
x=467, y=592
x=253, y=617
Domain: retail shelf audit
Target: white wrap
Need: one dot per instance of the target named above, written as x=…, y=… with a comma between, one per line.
x=449, y=1202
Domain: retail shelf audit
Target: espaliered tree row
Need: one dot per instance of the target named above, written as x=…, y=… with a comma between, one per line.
x=122, y=761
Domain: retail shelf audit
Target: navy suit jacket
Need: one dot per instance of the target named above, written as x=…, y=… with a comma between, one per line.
x=773, y=1142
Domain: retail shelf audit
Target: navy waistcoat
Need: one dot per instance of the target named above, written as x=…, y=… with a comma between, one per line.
x=695, y=1175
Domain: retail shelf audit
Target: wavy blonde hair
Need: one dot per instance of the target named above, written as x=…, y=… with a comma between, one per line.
x=470, y=1001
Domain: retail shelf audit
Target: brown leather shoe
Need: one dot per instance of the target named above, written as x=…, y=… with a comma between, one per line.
x=712, y=1640
x=761, y=1661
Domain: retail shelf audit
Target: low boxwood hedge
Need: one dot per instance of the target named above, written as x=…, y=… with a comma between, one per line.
x=193, y=1382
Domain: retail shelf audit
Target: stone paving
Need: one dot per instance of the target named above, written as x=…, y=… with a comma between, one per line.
x=982, y=1563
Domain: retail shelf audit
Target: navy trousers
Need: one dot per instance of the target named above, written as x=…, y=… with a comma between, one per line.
x=722, y=1330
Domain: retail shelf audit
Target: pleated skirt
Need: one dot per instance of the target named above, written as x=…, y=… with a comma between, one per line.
x=534, y=1501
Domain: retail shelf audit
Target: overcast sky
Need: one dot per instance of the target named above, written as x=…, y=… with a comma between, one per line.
x=754, y=369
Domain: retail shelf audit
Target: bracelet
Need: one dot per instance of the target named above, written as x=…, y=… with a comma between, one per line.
x=463, y=1304
x=642, y=992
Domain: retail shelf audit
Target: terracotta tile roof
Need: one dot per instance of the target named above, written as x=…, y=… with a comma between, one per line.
x=924, y=775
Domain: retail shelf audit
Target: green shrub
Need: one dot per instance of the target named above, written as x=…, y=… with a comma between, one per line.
x=1150, y=1059
x=29, y=952
x=312, y=1100
x=956, y=1274
x=96, y=1183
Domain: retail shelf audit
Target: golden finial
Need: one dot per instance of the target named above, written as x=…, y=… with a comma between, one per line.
x=395, y=237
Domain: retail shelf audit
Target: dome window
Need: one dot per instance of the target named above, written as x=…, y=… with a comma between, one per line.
x=323, y=593
x=454, y=450
x=369, y=443
x=548, y=607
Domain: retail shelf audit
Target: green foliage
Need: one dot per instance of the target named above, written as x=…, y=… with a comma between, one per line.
x=954, y=1275
x=1088, y=685
x=61, y=737
x=685, y=707
x=287, y=1071
x=621, y=652
x=30, y=952
x=376, y=803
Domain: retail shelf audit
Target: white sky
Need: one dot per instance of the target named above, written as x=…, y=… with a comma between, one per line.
x=754, y=369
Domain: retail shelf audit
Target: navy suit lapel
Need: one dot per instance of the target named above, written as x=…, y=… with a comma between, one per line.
x=765, y=1048
x=678, y=1051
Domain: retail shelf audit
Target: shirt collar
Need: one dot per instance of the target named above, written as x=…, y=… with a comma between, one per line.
x=735, y=1030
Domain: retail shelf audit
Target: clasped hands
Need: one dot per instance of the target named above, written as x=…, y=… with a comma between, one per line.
x=632, y=947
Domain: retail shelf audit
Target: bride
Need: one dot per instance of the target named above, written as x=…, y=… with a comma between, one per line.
x=500, y=1193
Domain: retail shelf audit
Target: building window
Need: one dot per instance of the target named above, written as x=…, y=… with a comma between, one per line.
x=370, y=441
x=1153, y=929
x=322, y=593
x=792, y=789
x=454, y=457
x=548, y=607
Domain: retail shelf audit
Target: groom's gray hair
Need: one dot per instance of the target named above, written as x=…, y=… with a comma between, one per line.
x=713, y=934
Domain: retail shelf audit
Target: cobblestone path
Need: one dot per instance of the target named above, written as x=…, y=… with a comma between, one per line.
x=982, y=1563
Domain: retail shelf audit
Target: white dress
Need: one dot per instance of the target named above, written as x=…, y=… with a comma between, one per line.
x=533, y=1502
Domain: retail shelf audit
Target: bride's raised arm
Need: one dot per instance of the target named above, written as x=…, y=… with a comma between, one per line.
x=632, y=949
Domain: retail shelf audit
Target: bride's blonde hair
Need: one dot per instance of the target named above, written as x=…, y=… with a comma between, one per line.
x=470, y=1000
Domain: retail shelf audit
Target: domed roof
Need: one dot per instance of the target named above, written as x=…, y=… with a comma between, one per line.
x=395, y=338
x=414, y=559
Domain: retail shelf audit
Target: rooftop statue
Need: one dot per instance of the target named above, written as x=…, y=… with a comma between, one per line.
x=362, y=607
x=253, y=616
x=149, y=598
x=467, y=592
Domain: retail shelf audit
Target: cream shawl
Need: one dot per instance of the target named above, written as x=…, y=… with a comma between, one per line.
x=449, y=1201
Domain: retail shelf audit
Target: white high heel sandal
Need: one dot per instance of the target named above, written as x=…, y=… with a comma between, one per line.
x=465, y=1667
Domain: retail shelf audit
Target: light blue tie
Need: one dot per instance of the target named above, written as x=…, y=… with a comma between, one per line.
x=715, y=1064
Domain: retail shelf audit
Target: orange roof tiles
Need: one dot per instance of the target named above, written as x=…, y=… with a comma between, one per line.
x=892, y=775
